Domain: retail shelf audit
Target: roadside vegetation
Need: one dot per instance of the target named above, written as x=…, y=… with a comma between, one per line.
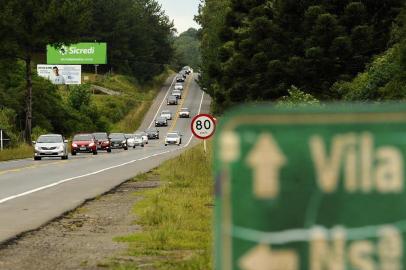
x=332, y=50
x=176, y=218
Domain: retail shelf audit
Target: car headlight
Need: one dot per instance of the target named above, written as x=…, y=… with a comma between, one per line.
x=91, y=144
x=123, y=142
x=37, y=148
x=74, y=145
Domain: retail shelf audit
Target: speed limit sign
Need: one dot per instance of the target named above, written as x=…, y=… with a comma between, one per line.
x=203, y=126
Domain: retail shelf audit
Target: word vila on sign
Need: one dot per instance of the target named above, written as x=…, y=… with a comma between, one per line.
x=366, y=168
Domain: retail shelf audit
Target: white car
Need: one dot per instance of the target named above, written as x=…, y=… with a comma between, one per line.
x=144, y=136
x=178, y=86
x=173, y=138
x=167, y=115
x=177, y=93
x=184, y=113
x=50, y=145
x=138, y=140
x=130, y=140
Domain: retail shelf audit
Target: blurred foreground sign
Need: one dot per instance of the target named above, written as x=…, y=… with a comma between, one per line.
x=317, y=188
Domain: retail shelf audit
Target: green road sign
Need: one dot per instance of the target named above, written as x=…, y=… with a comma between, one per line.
x=317, y=188
x=78, y=54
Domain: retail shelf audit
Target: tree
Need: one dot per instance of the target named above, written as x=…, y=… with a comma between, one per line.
x=28, y=26
x=187, y=47
x=262, y=47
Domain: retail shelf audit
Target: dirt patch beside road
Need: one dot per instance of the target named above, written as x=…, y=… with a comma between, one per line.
x=82, y=239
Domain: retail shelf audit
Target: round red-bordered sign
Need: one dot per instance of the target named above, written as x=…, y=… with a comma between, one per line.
x=203, y=126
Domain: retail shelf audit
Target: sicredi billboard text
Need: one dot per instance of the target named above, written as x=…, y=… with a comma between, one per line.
x=78, y=54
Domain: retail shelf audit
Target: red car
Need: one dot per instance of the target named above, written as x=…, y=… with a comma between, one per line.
x=103, y=141
x=84, y=143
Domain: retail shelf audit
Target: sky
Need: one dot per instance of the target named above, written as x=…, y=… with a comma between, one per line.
x=181, y=12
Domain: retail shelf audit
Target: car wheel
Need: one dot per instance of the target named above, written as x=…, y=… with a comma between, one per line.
x=109, y=150
x=142, y=145
x=64, y=157
x=126, y=148
x=73, y=153
x=37, y=158
x=94, y=153
x=134, y=147
x=166, y=144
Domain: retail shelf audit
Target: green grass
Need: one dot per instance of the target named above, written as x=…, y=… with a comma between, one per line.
x=19, y=152
x=176, y=217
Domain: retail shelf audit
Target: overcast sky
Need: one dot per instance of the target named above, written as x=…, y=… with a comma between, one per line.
x=182, y=12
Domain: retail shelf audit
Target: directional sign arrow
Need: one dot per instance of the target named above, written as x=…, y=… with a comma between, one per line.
x=263, y=258
x=266, y=159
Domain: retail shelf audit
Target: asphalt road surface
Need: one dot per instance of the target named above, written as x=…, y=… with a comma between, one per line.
x=32, y=193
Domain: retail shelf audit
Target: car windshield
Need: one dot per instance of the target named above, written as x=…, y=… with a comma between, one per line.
x=117, y=136
x=160, y=119
x=172, y=98
x=151, y=131
x=172, y=135
x=100, y=136
x=138, y=137
x=165, y=112
x=184, y=109
x=49, y=139
x=129, y=136
x=83, y=137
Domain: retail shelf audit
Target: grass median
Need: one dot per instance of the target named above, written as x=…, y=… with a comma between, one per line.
x=176, y=218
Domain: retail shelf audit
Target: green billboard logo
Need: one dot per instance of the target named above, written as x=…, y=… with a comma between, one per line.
x=79, y=54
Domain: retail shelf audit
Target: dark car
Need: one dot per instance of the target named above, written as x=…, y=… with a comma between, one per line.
x=84, y=143
x=172, y=100
x=180, y=79
x=152, y=134
x=103, y=141
x=118, y=141
x=161, y=122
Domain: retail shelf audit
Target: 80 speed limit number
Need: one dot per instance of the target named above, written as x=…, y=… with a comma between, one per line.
x=203, y=126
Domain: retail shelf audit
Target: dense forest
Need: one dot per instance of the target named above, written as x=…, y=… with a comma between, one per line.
x=187, y=49
x=333, y=50
x=140, y=40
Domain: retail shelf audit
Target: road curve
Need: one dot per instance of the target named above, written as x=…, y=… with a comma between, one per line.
x=32, y=193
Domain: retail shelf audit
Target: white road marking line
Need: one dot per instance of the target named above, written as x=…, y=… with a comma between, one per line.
x=97, y=172
x=162, y=103
x=200, y=108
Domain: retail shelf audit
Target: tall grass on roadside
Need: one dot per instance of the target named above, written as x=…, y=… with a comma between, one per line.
x=176, y=217
x=18, y=152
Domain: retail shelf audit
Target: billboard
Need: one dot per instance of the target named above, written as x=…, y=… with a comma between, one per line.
x=78, y=54
x=61, y=74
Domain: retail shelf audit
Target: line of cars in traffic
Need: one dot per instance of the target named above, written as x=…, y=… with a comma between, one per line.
x=55, y=145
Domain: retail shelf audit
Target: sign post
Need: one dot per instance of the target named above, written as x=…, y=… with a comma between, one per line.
x=203, y=127
x=311, y=189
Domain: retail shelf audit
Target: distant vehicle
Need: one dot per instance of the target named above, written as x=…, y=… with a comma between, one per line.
x=172, y=100
x=161, y=122
x=144, y=136
x=188, y=70
x=178, y=86
x=184, y=113
x=138, y=140
x=152, y=134
x=184, y=75
x=130, y=140
x=167, y=114
x=180, y=78
x=177, y=93
x=84, y=143
x=50, y=145
x=118, y=141
x=103, y=142
x=173, y=138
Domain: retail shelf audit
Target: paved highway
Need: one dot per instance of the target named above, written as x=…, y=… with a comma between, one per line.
x=34, y=192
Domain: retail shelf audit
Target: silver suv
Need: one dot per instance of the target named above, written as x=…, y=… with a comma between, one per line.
x=50, y=145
